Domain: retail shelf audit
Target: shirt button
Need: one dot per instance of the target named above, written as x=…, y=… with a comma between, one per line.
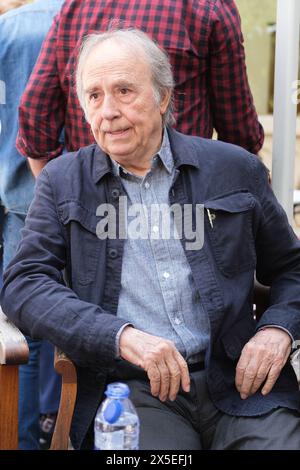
x=113, y=253
x=115, y=193
x=166, y=275
x=155, y=229
x=147, y=185
x=177, y=321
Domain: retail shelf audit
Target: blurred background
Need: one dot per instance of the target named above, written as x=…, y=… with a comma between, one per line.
x=259, y=29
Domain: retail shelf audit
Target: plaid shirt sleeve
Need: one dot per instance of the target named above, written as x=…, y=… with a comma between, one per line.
x=42, y=108
x=234, y=115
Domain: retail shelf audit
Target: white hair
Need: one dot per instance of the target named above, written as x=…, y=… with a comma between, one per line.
x=135, y=40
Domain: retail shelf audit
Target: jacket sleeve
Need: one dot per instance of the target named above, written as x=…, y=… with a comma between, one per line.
x=278, y=258
x=42, y=106
x=234, y=115
x=35, y=298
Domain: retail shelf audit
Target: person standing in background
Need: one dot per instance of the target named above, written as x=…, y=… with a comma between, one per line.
x=22, y=31
x=4, y=7
x=205, y=45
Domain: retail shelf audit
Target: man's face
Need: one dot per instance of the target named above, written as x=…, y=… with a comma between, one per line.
x=125, y=118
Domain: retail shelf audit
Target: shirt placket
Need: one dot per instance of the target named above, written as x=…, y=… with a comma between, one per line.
x=162, y=253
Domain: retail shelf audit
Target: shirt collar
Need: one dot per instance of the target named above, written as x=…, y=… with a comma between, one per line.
x=164, y=153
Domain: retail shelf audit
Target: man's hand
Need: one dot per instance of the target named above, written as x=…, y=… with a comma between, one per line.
x=164, y=365
x=261, y=360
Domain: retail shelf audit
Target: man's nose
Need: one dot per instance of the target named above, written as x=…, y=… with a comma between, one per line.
x=109, y=108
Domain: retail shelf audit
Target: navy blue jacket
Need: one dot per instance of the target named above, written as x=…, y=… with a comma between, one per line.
x=250, y=232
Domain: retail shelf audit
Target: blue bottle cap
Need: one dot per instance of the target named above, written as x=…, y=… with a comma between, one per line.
x=113, y=411
x=117, y=390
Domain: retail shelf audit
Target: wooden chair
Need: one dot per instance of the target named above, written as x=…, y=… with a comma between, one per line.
x=66, y=368
x=13, y=351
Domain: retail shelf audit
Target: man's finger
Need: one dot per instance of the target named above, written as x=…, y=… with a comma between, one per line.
x=272, y=377
x=240, y=369
x=260, y=376
x=154, y=378
x=184, y=372
x=164, y=380
x=175, y=378
x=248, y=379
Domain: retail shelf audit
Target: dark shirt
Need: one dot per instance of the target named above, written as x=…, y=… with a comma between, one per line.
x=204, y=41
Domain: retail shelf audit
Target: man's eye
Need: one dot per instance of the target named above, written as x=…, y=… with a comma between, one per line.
x=94, y=96
x=124, y=91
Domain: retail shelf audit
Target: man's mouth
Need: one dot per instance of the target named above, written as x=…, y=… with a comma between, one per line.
x=118, y=132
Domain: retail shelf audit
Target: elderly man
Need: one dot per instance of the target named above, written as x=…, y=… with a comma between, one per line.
x=173, y=319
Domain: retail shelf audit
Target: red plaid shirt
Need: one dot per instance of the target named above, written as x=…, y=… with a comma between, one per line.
x=204, y=41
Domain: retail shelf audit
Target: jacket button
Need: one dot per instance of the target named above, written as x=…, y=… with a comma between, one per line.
x=115, y=193
x=113, y=253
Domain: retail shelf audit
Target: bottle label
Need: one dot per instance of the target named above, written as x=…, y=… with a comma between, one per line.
x=109, y=440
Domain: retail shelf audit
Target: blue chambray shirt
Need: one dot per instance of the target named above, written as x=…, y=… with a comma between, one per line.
x=18, y=54
x=162, y=299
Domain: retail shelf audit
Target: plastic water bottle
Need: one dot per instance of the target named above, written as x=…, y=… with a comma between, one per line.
x=117, y=423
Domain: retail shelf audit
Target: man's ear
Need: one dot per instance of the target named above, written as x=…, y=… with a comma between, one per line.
x=164, y=102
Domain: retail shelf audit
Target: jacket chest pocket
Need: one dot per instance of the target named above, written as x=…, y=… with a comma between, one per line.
x=230, y=232
x=84, y=244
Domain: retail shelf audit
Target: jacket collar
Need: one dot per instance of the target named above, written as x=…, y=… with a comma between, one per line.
x=101, y=164
x=183, y=149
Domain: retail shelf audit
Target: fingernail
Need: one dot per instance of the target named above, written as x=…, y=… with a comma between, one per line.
x=243, y=396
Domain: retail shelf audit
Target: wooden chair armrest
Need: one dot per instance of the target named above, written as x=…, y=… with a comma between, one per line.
x=65, y=367
x=13, y=351
x=13, y=345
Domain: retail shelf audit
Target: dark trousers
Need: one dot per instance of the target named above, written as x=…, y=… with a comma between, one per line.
x=192, y=422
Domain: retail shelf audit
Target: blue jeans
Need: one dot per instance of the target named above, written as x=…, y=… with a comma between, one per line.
x=29, y=374
x=50, y=381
